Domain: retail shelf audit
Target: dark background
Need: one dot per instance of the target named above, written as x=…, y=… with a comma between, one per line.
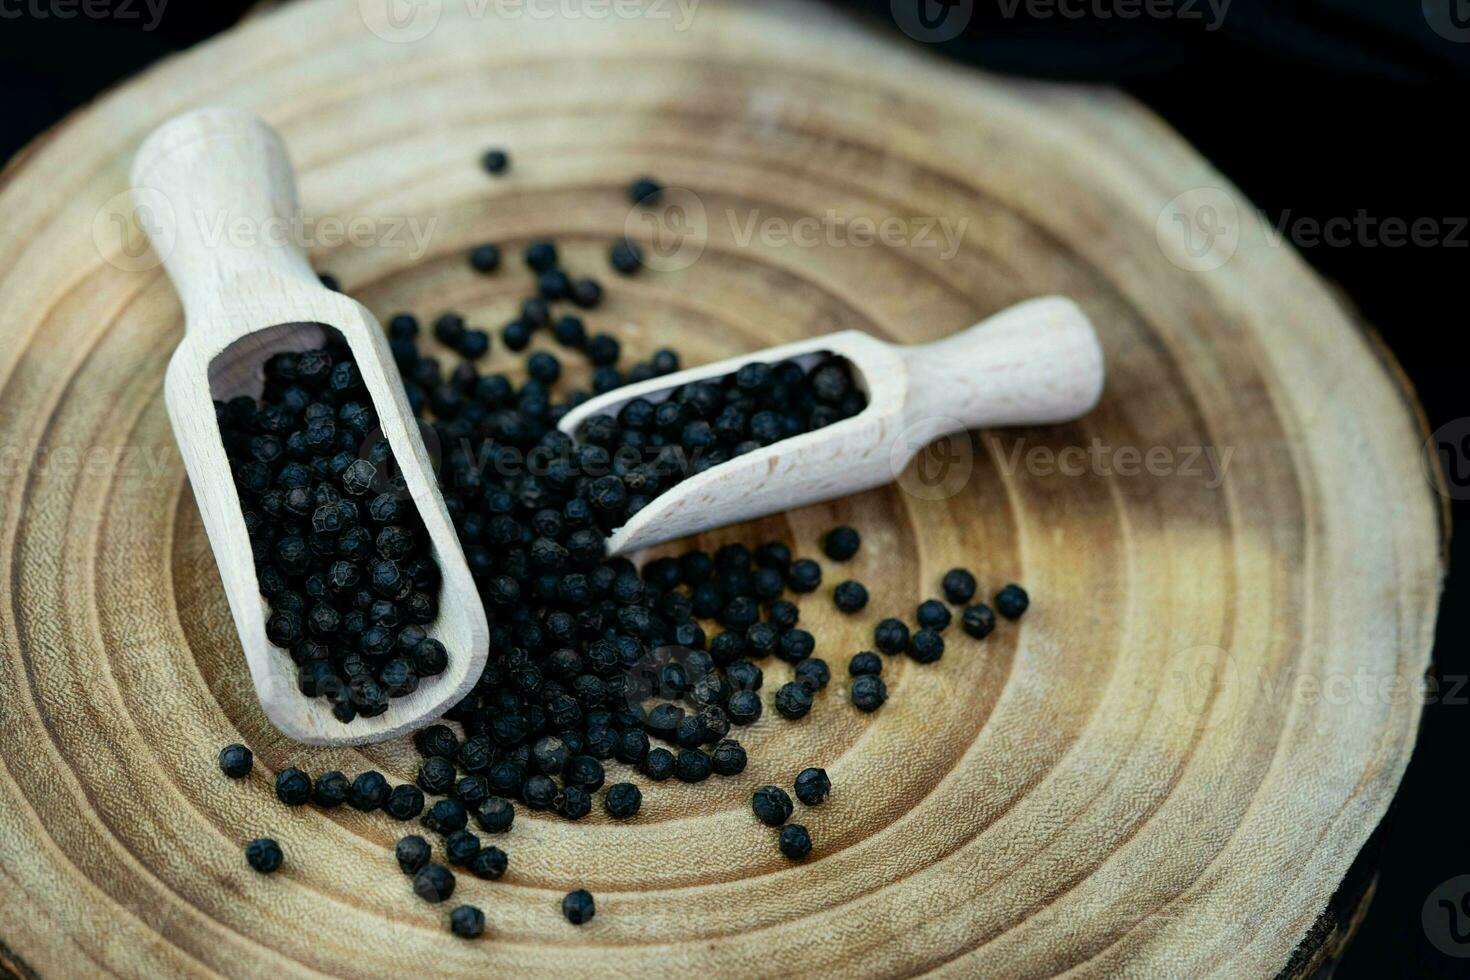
x=1317, y=111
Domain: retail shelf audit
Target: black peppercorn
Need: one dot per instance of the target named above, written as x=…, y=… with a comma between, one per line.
x=586, y=772
x=331, y=790
x=263, y=854
x=658, y=765
x=434, y=883
x=866, y=662
x=578, y=907
x=784, y=614
x=926, y=647
x=933, y=615
x=814, y=673
x=744, y=676
x=549, y=755
x=771, y=805
x=436, y=775
x=446, y=816
x=236, y=761
x=1011, y=601
x=489, y=862
x=622, y=800
x=804, y=575
x=795, y=842
x=850, y=596
x=744, y=707
x=293, y=787
x=812, y=786
x=891, y=636
x=516, y=335
x=869, y=692
x=586, y=293
x=485, y=258
x=495, y=161
x=461, y=847
x=495, y=815
x=841, y=543
x=794, y=700
x=795, y=645
x=412, y=853
x=539, y=792
x=728, y=758
x=467, y=922
x=978, y=621
x=405, y=802
x=369, y=791
x=626, y=257
x=541, y=256
x=574, y=802
x=692, y=766
x=645, y=191
x=959, y=586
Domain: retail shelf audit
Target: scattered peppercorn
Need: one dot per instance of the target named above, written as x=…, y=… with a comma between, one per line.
x=467, y=922
x=495, y=161
x=794, y=700
x=293, y=787
x=433, y=883
x=814, y=673
x=236, y=761
x=978, y=621
x=331, y=790
x=1011, y=601
x=926, y=646
x=645, y=191
x=405, y=802
x=692, y=766
x=495, y=815
x=812, y=786
x=412, y=853
x=850, y=596
x=489, y=862
x=369, y=791
x=866, y=662
x=622, y=800
x=446, y=816
x=841, y=543
x=869, y=692
x=804, y=576
x=795, y=842
x=578, y=907
x=959, y=586
x=485, y=258
x=626, y=257
x=891, y=636
x=263, y=854
x=771, y=805
x=933, y=615
x=461, y=847
x=658, y=765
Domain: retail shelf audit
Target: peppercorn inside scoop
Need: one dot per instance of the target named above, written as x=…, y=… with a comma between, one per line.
x=341, y=555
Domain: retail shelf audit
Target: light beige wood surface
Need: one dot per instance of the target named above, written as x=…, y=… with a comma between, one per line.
x=1038, y=362
x=247, y=297
x=1164, y=771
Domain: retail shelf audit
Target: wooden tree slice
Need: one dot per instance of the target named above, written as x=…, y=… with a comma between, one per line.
x=1165, y=769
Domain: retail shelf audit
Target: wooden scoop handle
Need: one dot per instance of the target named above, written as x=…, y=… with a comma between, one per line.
x=1036, y=363
x=226, y=194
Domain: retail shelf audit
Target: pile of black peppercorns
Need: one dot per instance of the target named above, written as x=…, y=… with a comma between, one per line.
x=340, y=552
x=592, y=659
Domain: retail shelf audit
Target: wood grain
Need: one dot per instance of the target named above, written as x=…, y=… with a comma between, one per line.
x=1138, y=780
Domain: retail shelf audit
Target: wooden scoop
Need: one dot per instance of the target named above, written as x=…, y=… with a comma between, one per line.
x=1038, y=362
x=223, y=199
